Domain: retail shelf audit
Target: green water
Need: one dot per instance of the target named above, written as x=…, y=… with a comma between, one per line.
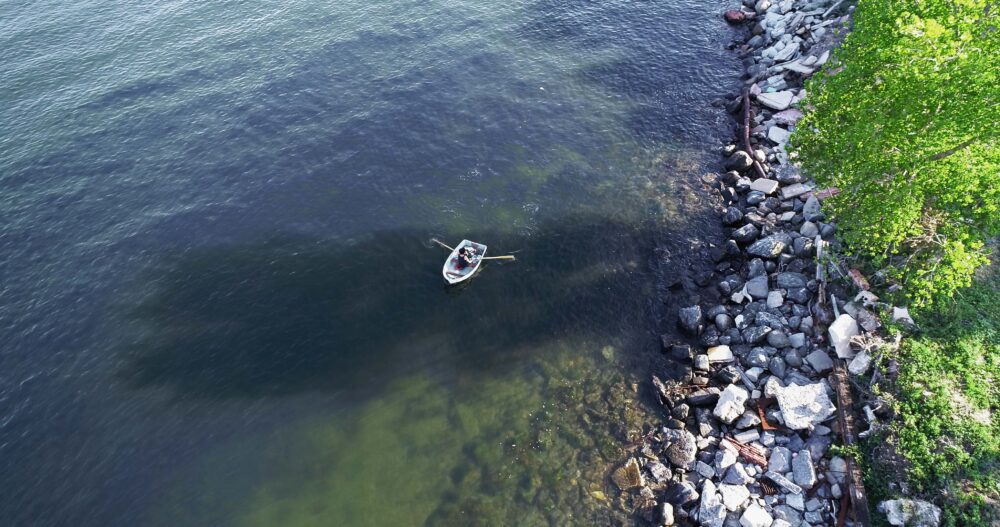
x=530, y=449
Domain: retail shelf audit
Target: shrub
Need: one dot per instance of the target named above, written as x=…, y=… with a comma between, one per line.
x=904, y=123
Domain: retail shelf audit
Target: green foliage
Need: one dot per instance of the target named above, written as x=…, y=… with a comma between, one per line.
x=904, y=122
x=948, y=402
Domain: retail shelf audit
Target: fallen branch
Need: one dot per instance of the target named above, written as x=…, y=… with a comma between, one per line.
x=746, y=134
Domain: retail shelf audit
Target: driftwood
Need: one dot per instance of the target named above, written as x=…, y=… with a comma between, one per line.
x=746, y=134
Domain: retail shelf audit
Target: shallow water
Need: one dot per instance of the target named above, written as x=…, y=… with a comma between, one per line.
x=219, y=304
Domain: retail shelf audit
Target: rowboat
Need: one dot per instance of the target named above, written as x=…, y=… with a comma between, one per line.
x=454, y=274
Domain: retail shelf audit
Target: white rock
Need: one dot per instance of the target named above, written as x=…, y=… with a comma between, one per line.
x=823, y=58
x=911, y=513
x=803, y=407
x=731, y=403
x=902, y=314
x=767, y=186
x=720, y=354
x=756, y=516
x=776, y=100
x=774, y=299
x=841, y=332
x=838, y=469
x=778, y=134
x=734, y=496
x=860, y=363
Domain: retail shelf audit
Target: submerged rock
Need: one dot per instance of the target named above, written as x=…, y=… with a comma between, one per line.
x=628, y=475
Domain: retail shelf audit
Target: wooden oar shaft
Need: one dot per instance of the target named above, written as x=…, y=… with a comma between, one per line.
x=435, y=240
x=508, y=257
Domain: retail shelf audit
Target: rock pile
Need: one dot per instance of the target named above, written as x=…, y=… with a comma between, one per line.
x=748, y=438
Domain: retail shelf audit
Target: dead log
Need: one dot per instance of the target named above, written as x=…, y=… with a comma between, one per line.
x=746, y=134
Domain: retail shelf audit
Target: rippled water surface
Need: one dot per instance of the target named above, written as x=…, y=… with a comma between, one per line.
x=219, y=304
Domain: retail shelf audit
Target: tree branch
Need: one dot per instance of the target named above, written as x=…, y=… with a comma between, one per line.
x=955, y=149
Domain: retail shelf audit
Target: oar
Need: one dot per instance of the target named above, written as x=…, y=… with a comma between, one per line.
x=435, y=240
x=508, y=257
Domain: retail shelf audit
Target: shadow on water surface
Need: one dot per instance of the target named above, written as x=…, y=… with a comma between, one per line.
x=291, y=315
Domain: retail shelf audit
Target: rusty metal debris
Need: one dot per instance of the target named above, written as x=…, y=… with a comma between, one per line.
x=761, y=406
x=748, y=452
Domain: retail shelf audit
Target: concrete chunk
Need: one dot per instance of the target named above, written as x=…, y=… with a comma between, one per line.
x=731, y=403
x=803, y=407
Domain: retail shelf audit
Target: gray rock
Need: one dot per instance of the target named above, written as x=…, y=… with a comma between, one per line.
x=780, y=460
x=778, y=339
x=757, y=287
x=778, y=135
x=809, y=229
x=731, y=403
x=681, y=447
x=793, y=359
x=680, y=493
x=811, y=210
x=756, y=358
x=746, y=234
x=659, y=471
x=732, y=216
x=800, y=295
x=755, y=334
x=737, y=475
x=820, y=361
x=704, y=469
x=838, y=470
x=803, y=471
x=776, y=100
x=777, y=366
x=723, y=322
x=711, y=511
x=794, y=190
x=796, y=501
x=797, y=340
x=740, y=161
x=756, y=267
x=766, y=186
x=769, y=247
x=911, y=513
x=755, y=197
x=690, y=319
x=789, y=280
x=804, y=406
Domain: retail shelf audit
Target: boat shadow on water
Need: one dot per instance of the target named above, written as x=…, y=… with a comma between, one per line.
x=291, y=315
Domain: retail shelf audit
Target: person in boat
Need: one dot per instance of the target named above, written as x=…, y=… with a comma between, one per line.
x=464, y=258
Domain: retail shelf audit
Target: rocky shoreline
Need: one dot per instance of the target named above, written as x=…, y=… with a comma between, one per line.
x=751, y=404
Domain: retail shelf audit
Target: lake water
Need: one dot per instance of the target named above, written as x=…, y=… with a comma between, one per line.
x=219, y=302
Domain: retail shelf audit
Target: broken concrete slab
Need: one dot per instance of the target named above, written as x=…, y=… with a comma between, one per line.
x=803, y=407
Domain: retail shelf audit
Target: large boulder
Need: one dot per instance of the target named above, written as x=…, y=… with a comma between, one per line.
x=911, y=513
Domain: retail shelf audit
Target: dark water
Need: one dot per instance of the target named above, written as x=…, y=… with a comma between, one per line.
x=218, y=301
